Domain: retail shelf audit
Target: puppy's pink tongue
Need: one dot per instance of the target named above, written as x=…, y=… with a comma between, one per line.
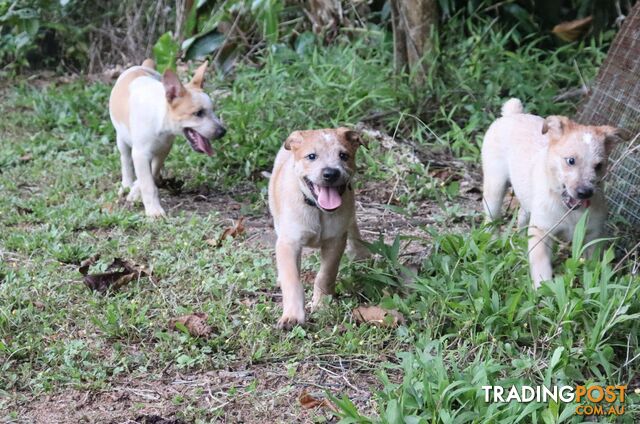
x=203, y=144
x=329, y=197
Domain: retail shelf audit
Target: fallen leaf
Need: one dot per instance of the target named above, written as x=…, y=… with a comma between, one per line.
x=572, y=30
x=110, y=280
x=378, y=316
x=234, y=231
x=26, y=157
x=445, y=174
x=309, y=402
x=196, y=324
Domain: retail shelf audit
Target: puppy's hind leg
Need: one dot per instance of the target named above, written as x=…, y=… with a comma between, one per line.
x=126, y=164
x=156, y=164
x=146, y=185
x=495, y=185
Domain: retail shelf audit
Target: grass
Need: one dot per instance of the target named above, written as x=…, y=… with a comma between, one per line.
x=472, y=317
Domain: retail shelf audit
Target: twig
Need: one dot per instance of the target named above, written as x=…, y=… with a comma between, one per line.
x=625, y=257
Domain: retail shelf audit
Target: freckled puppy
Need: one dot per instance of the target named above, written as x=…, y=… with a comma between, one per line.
x=312, y=204
x=148, y=110
x=555, y=167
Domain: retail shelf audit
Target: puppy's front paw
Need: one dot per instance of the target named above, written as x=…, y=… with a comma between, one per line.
x=290, y=320
x=155, y=212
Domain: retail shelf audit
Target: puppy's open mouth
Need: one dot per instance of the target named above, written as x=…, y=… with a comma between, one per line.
x=327, y=198
x=198, y=142
x=573, y=203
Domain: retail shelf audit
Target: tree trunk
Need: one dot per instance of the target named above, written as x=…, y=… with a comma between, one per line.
x=412, y=21
x=326, y=16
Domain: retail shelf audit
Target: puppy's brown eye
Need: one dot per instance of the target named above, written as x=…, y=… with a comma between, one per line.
x=598, y=167
x=200, y=113
x=571, y=161
x=344, y=156
x=312, y=156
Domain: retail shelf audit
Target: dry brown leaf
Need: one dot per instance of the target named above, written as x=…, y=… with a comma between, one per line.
x=110, y=280
x=378, y=316
x=309, y=402
x=108, y=207
x=26, y=157
x=572, y=30
x=195, y=323
x=234, y=231
x=444, y=174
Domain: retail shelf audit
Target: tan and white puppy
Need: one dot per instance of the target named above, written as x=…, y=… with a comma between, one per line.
x=312, y=203
x=555, y=167
x=148, y=110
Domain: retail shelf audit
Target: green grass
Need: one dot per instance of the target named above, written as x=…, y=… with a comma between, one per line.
x=472, y=316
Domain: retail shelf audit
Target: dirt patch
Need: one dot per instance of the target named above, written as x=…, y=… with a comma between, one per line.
x=258, y=393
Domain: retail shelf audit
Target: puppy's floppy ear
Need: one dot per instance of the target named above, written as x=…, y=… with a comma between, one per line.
x=555, y=125
x=172, y=86
x=613, y=132
x=612, y=135
x=353, y=137
x=294, y=140
x=198, y=77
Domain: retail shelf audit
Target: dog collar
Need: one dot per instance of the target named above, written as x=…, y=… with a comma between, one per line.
x=309, y=202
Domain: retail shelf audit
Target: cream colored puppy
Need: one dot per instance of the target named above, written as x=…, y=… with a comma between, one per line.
x=555, y=167
x=312, y=204
x=148, y=110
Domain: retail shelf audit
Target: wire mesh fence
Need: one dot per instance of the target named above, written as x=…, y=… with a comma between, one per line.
x=615, y=100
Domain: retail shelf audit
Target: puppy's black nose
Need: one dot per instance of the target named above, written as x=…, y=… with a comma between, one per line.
x=330, y=175
x=220, y=132
x=584, y=192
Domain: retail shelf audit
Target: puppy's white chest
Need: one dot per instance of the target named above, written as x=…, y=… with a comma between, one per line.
x=323, y=226
x=333, y=226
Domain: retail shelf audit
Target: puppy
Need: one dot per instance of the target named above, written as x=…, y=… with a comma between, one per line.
x=312, y=203
x=148, y=110
x=555, y=167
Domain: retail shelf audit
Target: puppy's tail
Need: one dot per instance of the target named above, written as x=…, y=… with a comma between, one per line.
x=511, y=107
x=149, y=63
